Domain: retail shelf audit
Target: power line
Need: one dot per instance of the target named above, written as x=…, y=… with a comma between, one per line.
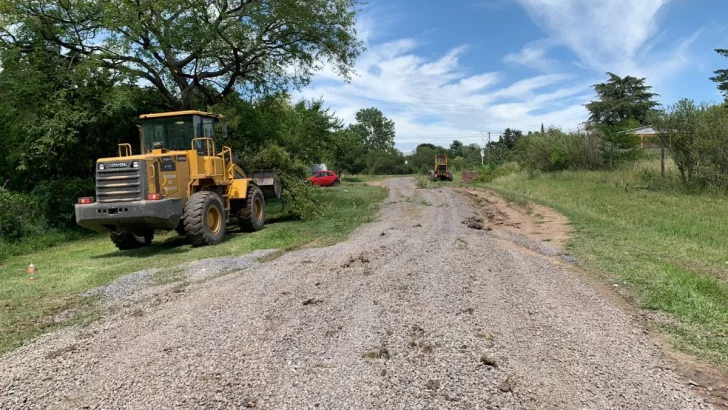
x=437, y=137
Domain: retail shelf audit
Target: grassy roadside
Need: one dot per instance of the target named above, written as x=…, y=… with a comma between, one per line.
x=668, y=247
x=65, y=271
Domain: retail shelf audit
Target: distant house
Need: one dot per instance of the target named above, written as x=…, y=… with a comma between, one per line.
x=648, y=137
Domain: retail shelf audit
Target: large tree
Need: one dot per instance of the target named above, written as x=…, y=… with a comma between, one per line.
x=348, y=153
x=721, y=76
x=620, y=99
x=57, y=116
x=456, y=148
x=510, y=137
x=195, y=52
x=374, y=129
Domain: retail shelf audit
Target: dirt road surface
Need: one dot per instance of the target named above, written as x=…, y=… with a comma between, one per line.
x=415, y=311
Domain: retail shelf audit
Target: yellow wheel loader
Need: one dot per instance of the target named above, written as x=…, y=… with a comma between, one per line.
x=441, y=171
x=179, y=181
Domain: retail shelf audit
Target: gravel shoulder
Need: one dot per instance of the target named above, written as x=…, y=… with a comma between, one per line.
x=416, y=310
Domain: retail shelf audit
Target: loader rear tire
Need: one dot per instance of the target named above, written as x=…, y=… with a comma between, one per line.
x=180, y=229
x=204, y=219
x=251, y=216
x=127, y=240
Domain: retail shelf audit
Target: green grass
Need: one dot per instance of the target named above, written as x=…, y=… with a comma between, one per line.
x=670, y=247
x=38, y=242
x=67, y=270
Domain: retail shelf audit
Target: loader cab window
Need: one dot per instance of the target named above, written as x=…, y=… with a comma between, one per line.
x=177, y=133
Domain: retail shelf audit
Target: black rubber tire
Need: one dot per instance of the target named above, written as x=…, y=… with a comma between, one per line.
x=126, y=240
x=180, y=229
x=247, y=216
x=336, y=183
x=195, y=219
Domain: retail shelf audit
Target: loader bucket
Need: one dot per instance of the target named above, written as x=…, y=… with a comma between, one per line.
x=269, y=183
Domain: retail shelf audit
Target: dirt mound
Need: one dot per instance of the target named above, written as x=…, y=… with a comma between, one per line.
x=535, y=221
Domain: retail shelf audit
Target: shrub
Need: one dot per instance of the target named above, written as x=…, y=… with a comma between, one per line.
x=556, y=151
x=487, y=174
x=297, y=191
x=20, y=216
x=387, y=162
x=423, y=182
x=56, y=199
x=696, y=137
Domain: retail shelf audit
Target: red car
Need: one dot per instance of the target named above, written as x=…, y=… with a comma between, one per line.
x=325, y=178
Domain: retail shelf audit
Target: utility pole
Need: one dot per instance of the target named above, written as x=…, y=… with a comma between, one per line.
x=489, y=148
x=482, y=150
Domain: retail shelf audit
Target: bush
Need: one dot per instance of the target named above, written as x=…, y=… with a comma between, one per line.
x=297, y=198
x=387, y=162
x=488, y=174
x=423, y=182
x=696, y=138
x=557, y=151
x=20, y=217
x=57, y=198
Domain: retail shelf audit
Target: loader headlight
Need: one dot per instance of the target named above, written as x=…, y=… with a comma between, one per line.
x=102, y=167
x=135, y=164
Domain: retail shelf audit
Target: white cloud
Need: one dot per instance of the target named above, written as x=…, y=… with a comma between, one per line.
x=620, y=36
x=534, y=55
x=598, y=32
x=437, y=100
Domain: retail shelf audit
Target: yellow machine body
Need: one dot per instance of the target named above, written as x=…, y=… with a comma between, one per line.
x=179, y=157
x=441, y=170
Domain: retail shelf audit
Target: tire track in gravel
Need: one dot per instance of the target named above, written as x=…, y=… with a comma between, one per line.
x=413, y=311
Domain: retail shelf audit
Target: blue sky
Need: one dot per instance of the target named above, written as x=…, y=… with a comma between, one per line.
x=455, y=69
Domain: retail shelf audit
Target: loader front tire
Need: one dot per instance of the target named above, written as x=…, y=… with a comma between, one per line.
x=127, y=240
x=204, y=219
x=251, y=216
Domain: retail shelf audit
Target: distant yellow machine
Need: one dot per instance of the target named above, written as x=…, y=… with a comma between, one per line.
x=441, y=171
x=179, y=181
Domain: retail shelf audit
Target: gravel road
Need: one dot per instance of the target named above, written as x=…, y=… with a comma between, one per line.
x=414, y=311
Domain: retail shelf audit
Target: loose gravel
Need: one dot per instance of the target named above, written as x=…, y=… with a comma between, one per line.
x=125, y=287
x=139, y=285
x=211, y=267
x=414, y=311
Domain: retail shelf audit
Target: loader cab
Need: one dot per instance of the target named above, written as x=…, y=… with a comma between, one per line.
x=176, y=131
x=441, y=163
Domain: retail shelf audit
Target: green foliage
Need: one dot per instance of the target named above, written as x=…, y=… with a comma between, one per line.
x=721, y=76
x=194, y=53
x=496, y=152
x=488, y=174
x=387, y=162
x=297, y=192
x=510, y=137
x=696, y=136
x=457, y=163
x=305, y=129
x=621, y=99
x=556, y=151
x=424, y=182
x=617, y=143
x=348, y=153
x=56, y=199
x=424, y=156
x=58, y=115
x=374, y=129
x=456, y=148
x=20, y=216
